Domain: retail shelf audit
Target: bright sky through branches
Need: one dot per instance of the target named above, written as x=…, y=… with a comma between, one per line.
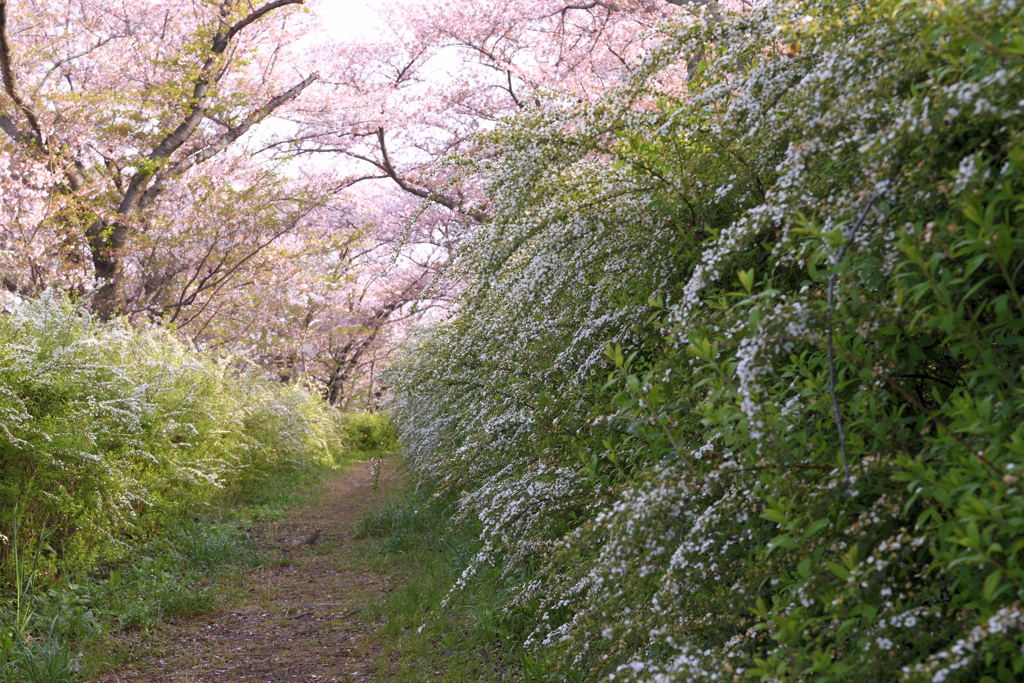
x=350, y=19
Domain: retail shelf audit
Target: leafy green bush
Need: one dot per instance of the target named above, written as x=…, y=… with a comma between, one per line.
x=736, y=385
x=108, y=432
x=368, y=433
x=112, y=442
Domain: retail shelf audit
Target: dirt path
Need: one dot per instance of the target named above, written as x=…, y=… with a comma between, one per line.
x=302, y=617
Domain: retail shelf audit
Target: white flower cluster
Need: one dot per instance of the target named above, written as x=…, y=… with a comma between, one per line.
x=946, y=663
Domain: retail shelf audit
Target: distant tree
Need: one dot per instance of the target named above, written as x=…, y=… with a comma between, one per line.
x=453, y=70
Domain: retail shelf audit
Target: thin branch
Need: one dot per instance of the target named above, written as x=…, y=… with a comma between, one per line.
x=511, y=90
x=231, y=135
x=257, y=15
x=583, y=7
x=447, y=202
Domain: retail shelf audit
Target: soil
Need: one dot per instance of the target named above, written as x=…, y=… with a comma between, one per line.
x=303, y=617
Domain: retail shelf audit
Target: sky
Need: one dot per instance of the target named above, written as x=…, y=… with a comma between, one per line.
x=351, y=18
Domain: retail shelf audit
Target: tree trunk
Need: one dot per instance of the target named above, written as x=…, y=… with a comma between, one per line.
x=106, y=244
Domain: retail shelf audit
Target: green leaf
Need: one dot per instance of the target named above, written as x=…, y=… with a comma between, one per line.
x=973, y=213
x=815, y=527
x=804, y=568
x=991, y=585
x=614, y=353
x=783, y=541
x=839, y=570
x=747, y=280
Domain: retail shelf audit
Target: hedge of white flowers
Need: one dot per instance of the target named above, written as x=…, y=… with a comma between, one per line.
x=737, y=384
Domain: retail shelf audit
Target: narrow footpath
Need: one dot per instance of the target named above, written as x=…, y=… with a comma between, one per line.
x=303, y=617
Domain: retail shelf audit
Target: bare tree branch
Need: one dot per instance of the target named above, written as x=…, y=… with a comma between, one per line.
x=444, y=201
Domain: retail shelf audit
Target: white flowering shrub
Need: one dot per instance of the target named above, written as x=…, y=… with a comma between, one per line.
x=107, y=431
x=736, y=385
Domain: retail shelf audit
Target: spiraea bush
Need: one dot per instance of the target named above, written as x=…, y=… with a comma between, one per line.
x=736, y=386
x=108, y=432
x=368, y=433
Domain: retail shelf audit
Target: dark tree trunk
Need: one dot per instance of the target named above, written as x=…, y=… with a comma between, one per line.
x=106, y=244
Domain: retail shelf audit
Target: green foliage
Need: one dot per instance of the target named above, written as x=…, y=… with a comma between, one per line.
x=55, y=631
x=426, y=632
x=108, y=431
x=166, y=578
x=736, y=385
x=368, y=433
x=119, y=449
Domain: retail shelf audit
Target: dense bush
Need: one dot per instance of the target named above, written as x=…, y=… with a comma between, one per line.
x=736, y=387
x=368, y=433
x=108, y=432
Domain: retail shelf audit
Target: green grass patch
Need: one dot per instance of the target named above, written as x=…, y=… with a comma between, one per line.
x=431, y=632
x=367, y=434
x=68, y=631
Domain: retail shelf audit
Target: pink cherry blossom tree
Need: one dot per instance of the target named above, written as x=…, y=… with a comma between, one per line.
x=120, y=100
x=212, y=165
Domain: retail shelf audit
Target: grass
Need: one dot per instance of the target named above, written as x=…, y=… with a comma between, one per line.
x=71, y=630
x=132, y=469
x=76, y=630
x=469, y=637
